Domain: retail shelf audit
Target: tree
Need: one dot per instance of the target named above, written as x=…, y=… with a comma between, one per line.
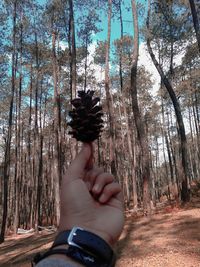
x=108, y=94
x=7, y=157
x=72, y=50
x=87, y=28
x=143, y=143
x=195, y=21
x=185, y=195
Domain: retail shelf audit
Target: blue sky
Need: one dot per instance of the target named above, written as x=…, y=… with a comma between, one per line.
x=115, y=24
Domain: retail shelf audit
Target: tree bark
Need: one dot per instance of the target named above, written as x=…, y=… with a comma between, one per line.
x=108, y=94
x=195, y=21
x=36, y=141
x=86, y=63
x=121, y=46
x=6, y=169
x=72, y=57
x=18, y=152
x=72, y=50
x=185, y=193
x=143, y=143
x=128, y=131
x=29, y=151
x=57, y=130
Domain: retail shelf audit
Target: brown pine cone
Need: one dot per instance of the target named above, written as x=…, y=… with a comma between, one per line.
x=86, y=117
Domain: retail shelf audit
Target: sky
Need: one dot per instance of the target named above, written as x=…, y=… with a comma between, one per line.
x=115, y=23
x=144, y=58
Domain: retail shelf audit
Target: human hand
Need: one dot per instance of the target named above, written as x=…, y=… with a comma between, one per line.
x=91, y=199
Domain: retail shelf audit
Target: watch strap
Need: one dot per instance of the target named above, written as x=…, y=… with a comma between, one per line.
x=88, y=242
x=61, y=238
x=72, y=252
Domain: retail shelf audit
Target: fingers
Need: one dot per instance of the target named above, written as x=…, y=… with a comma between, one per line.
x=101, y=181
x=105, y=188
x=79, y=164
x=91, y=176
x=109, y=191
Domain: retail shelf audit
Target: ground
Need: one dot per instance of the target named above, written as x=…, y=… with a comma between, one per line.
x=170, y=238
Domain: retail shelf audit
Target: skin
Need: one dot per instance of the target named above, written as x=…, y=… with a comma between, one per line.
x=90, y=199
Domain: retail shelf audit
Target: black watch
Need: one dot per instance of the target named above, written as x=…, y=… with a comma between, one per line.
x=86, y=248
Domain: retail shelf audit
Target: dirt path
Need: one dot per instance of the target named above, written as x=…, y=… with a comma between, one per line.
x=170, y=238
x=18, y=251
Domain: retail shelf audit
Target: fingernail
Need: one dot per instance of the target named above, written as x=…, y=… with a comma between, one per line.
x=96, y=188
x=102, y=198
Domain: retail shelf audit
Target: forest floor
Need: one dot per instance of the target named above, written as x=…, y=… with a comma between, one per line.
x=170, y=238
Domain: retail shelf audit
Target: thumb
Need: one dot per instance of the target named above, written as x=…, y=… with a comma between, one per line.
x=80, y=163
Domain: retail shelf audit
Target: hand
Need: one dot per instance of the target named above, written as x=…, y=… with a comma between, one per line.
x=91, y=199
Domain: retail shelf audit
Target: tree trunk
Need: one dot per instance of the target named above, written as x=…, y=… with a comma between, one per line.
x=121, y=46
x=6, y=169
x=36, y=149
x=29, y=152
x=143, y=143
x=195, y=21
x=72, y=58
x=57, y=130
x=128, y=131
x=185, y=193
x=18, y=152
x=72, y=50
x=108, y=95
x=86, y=64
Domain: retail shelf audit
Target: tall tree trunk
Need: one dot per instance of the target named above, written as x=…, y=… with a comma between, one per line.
x=108, y=94
x=86, y=64
x=57, y=129
x=193, y=164
x=35, y=163
x=185, y=193
x=30, y=169
x=72, y=50
x=6, y=169
x=121, y=46
x=18, y=136
x=195, y=21
x=72, y=56
x=142, y=138
x=128, y=131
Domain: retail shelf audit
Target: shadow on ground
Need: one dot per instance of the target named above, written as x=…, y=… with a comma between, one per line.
x=171, y=235
x=177, y=233
x=16, y=252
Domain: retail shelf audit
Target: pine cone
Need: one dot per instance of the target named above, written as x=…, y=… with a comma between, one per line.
x=86, y=117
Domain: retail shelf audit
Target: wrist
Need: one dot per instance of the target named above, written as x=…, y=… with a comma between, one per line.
x=56, y=254
x=80, y=248
x=106, y=237
x=86, y=247
x=65, y=257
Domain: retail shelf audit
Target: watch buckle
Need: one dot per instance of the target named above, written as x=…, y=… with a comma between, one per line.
x=71, y=236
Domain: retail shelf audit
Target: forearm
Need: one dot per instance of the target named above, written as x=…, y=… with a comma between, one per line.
x=59, y=260
x=84, y=248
